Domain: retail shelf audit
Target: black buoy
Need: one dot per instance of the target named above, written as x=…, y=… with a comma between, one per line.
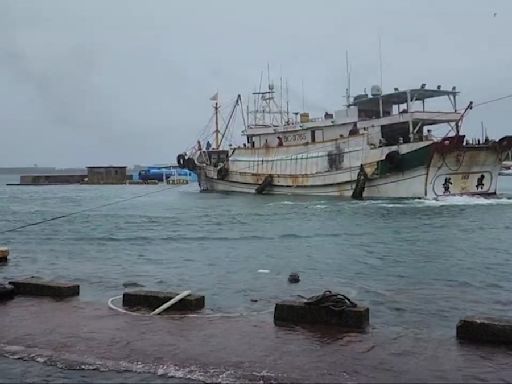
x=294, y=278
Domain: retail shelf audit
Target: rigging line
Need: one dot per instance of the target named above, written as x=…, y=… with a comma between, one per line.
x=492, y=101
x=83, y=210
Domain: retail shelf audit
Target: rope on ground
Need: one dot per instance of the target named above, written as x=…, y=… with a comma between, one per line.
x=111, y=305
x=84, y=210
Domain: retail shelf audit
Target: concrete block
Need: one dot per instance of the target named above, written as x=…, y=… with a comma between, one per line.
x=35, y=286
x=6, y=292
x=485, y=329
x=297, y=312
x=4, y=254
x=154, y=299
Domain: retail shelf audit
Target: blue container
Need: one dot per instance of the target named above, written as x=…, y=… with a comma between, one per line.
x=157, y=173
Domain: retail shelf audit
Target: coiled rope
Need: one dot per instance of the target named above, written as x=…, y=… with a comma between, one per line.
x=329, y=299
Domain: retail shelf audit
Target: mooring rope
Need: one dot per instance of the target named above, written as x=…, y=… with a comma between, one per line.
x=84, y=210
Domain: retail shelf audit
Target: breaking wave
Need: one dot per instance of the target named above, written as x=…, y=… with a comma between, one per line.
x=83, y=362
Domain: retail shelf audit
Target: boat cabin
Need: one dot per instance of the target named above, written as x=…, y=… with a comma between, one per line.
x=386, y=119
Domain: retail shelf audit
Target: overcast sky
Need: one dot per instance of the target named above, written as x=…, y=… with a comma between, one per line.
x=128, y=82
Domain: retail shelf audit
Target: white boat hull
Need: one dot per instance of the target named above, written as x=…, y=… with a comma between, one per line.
x=410, y=184
x=425, y=170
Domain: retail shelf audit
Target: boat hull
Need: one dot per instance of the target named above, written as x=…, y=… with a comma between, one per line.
x=409, y=184
x=425, y=172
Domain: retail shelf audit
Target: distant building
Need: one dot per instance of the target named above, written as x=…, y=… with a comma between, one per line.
x=106, y=175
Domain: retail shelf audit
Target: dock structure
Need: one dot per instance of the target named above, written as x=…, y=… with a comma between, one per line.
x=106, y=175
x=51, y=179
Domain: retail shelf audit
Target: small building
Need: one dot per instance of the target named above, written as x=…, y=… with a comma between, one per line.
x=106, y=175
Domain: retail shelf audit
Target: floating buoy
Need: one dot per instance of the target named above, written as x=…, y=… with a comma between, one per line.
x=4, y=253
x=294, y=278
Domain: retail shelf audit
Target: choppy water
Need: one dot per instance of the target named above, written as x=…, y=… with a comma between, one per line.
x=419, y=265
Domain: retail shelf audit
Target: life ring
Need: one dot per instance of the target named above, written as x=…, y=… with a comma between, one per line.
x=181, y=161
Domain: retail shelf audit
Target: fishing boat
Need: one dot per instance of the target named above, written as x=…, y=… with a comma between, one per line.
x=378, y=146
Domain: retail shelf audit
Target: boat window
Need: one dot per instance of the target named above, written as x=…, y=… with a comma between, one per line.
x=394, y=132
x=313, y=136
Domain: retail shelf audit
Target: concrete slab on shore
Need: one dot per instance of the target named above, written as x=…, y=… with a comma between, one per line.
x=297, y=312
x=6, y=292
x=35, y=286
x=485, y=329
x=4, y=254
x=154, y=299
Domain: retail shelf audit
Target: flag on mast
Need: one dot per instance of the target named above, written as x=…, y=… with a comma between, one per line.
x=215, y=97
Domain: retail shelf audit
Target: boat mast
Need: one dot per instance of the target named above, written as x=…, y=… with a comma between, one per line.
x=347, y=91
x=281, y=98
x=216, y=107
x=287, y=104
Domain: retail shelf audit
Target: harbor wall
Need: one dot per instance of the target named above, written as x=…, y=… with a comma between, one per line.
x=51, y=179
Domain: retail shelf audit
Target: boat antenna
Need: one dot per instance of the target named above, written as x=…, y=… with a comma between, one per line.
x=216, y=107
x=248, y=102
x=303, y=109
x=287, y=103
x=268, y=74
x=347, y=90
x=380, y=60
x=281, y=98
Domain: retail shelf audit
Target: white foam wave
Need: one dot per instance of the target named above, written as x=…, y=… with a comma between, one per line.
x=75, y=362
x=446, y=201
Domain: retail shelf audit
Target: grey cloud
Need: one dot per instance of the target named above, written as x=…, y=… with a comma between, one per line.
x=129, y=81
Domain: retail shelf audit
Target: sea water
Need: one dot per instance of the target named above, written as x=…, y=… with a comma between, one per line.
x=420, y=265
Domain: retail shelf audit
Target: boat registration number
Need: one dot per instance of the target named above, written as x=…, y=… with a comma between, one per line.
x=295, y=138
